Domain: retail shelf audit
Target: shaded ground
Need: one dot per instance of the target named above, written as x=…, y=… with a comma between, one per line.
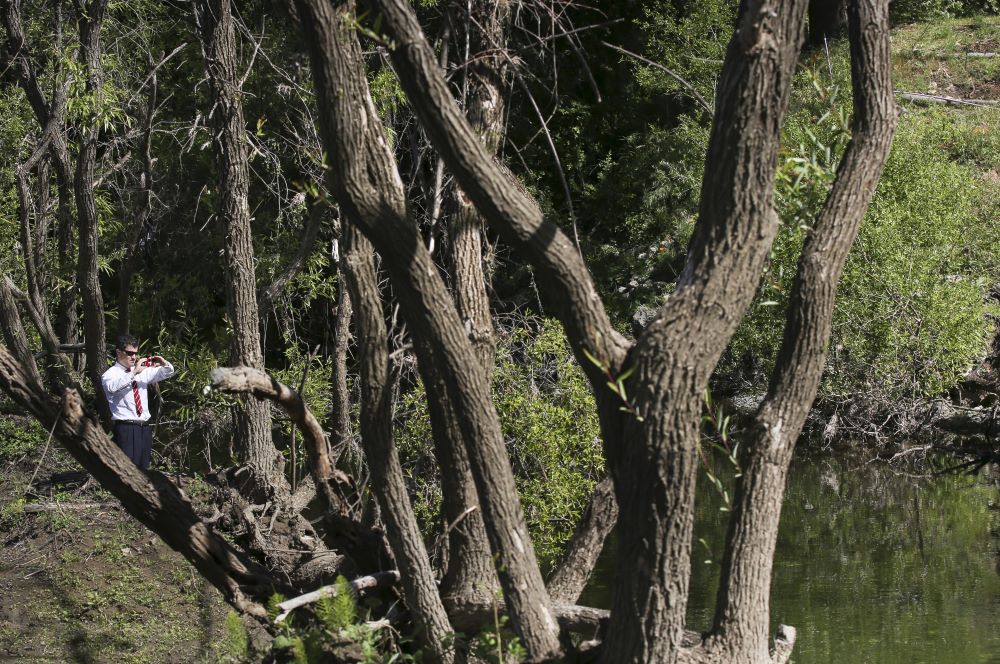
x=82, y=581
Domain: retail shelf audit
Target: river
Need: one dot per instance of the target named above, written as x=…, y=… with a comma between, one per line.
x=874, y=563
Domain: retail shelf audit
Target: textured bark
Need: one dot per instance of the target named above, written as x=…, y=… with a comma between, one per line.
x=573, y=571
x=16, y=340
x=147, y=496
x=743, y=610
x=90, y=17
x=340, y=400
x=388, y=482
x=255, y=447
x=469, y=569
x=366, y=183
x=563, y=279
x=654, y=461
x=484, y=30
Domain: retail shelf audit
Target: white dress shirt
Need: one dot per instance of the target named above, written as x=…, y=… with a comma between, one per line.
x=117, y=383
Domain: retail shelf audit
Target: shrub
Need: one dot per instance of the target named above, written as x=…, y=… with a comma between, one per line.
x=549, y=423
x=911, y=314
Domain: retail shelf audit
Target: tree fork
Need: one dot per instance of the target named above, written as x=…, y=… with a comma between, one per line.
x=742, y=614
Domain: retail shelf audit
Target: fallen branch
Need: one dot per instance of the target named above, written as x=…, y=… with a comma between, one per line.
x=60, y=507
x=357, y=586
x=336, y=489
x=922, y=98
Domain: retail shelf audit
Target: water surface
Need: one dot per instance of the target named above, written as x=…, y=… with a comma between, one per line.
x=873, y=564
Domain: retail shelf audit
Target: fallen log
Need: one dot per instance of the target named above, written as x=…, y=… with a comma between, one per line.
x=923, y=98
x=59, y=507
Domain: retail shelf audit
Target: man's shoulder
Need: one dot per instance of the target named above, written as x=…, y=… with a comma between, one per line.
x=113, y=370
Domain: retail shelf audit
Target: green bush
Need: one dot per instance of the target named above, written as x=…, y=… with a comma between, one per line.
x=550, y=426
x=20, y=437
x=911, y=314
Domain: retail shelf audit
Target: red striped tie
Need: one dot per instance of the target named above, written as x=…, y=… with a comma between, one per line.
x=135, y=393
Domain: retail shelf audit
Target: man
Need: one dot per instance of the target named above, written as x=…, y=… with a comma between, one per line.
x=125, y=386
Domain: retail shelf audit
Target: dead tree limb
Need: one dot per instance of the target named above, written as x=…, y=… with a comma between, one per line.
x=336, y=488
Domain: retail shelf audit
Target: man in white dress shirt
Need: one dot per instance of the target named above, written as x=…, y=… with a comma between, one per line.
x=125, y=386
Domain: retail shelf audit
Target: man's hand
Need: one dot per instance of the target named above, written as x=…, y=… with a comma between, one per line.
x=139, y=366
x=158, y=360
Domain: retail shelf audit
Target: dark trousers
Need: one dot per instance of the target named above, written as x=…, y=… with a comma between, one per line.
x=135, y=440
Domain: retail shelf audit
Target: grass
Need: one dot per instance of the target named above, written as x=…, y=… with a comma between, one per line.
x=91, y=585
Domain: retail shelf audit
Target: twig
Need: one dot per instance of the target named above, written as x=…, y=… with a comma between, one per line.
x=690, y=88
x=355, y=586
x=48, y=441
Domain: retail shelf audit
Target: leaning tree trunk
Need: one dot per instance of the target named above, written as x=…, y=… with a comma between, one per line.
x=388, y=481
x=743, y=608
x=469, y=568
x=255, y=447
x=368, y=186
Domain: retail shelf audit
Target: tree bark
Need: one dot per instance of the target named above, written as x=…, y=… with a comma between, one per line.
x=16, y=340
x=573, y=571
x=368, y=187
x=483, y=27
x=388, y=482
x=90, y=18
x=743, y=609
x=340, y=399
x=255, y=447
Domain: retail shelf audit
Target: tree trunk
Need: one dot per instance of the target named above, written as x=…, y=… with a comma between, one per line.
x=340, y=398
x=469, y=570
x=743, y=608
x=369, y=188
x=573, y=571
x=147, y=496
x=254, y=445
x=89, y=22
x=388, y=482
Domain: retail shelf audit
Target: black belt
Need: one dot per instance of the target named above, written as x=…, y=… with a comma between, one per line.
x=138, y=423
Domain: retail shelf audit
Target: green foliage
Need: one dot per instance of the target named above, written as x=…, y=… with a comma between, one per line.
x=498, y=645
x=20, y=437
x=337, y=625
x=912, y=316
x=235, y=644
x=549, y=423
x=337, y=610
x=908, y=11
x=911, y=312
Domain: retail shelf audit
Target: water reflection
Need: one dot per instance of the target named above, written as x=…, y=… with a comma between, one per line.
x=873, y=564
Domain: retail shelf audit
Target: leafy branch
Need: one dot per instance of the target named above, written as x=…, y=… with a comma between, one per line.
x=617, y=384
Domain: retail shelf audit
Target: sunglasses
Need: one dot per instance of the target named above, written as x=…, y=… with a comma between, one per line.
x=131, y=353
